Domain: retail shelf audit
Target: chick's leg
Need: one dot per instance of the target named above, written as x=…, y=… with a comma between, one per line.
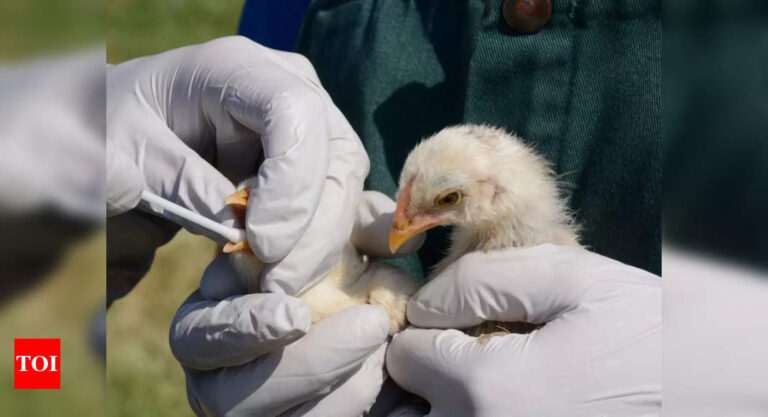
x=238, y=202
x=248, y=266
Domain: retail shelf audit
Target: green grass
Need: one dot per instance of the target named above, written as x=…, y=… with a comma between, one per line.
x=41, y=27
x=143, y=378
x=143, y=27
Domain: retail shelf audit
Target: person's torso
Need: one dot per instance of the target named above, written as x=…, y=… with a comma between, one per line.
x=585, y=90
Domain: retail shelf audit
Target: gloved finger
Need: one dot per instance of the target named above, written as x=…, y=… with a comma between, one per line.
x=220, y=279
x=239, y=150
x=417, y=358
x=312, y=159
x=532, y=285
x=353, y=397
x=328, y=354
x=290, y=115
x=318, y=250
x=207, y=334
x=176, y=172
x=373, y=223
x=124, y=183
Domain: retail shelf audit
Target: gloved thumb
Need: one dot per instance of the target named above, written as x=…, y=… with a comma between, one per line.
x=533, y=285
x=124, y=182
x=416, y=358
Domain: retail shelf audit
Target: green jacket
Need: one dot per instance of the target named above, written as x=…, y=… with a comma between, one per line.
x=585, y=91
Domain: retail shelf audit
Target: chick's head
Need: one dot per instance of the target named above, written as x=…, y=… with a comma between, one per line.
x=476, y=177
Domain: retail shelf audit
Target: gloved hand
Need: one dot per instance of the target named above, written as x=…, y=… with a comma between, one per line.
x=256, y=354
x=189, y=123
x=51, y=163
x=715, y=337
x=599, y=352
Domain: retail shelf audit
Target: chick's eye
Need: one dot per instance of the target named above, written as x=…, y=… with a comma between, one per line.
x=449, y=199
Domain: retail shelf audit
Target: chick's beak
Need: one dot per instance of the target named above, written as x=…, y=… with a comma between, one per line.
x=402, y=230
x=405, y=227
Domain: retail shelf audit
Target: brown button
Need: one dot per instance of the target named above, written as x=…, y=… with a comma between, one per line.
x=527, y=16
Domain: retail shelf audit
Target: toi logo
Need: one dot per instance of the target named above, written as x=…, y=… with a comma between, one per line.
x=37, y=363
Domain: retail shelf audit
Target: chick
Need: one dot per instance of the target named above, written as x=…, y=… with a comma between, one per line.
x=354, y=280
x=495, y=191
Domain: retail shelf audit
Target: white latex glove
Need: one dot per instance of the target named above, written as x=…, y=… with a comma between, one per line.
x=256, y=354
x=51, y=163
x=52, y=137
x=715, y=336
x=189, y=123
x=599, y=352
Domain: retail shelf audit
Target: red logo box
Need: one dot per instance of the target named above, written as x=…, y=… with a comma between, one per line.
x=37, y=363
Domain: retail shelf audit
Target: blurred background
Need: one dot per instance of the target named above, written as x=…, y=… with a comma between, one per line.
x=715, y=200
x=143, y=27
x=52, y=244
x=52, y=239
